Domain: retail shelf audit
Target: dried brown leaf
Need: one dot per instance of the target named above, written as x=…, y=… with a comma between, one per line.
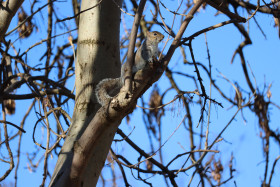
x=25, y=29
x=10, y=106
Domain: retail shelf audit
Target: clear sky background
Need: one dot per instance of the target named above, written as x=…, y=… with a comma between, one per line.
x=241, y=138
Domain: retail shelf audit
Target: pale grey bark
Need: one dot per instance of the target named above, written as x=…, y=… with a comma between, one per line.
x=7, y=11
x=97, y=57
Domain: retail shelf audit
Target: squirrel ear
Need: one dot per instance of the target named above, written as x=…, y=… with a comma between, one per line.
x=148, y=33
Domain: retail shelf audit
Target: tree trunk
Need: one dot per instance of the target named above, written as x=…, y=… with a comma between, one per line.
x=98, y=57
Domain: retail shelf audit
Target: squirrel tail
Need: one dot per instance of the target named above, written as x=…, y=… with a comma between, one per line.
x=107, y=89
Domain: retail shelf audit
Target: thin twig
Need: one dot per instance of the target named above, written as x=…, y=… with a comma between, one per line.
x=122, y=9
x=14, y=125
x=79, y=12
x=175, y=98
x=254, y=13
x=45, y=40
x=206, y=30
x=11, y=162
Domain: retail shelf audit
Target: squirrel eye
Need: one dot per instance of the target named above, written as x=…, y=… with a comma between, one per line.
x=155, y=34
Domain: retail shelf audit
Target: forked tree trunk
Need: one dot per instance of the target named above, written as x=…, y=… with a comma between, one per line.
x=98, y=56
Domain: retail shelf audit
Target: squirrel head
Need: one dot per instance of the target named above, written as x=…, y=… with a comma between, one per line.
x=154, y=36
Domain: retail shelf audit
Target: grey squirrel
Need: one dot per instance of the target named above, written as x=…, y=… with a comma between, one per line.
x=147, y=52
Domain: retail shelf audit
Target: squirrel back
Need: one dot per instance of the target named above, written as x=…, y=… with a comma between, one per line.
x=147, y=52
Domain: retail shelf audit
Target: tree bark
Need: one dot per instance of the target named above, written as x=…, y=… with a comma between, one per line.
x=98, y=57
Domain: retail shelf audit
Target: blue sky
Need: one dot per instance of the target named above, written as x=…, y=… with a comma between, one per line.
x=241, y=138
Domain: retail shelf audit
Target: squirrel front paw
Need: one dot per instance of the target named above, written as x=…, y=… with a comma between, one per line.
x=155, y=59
